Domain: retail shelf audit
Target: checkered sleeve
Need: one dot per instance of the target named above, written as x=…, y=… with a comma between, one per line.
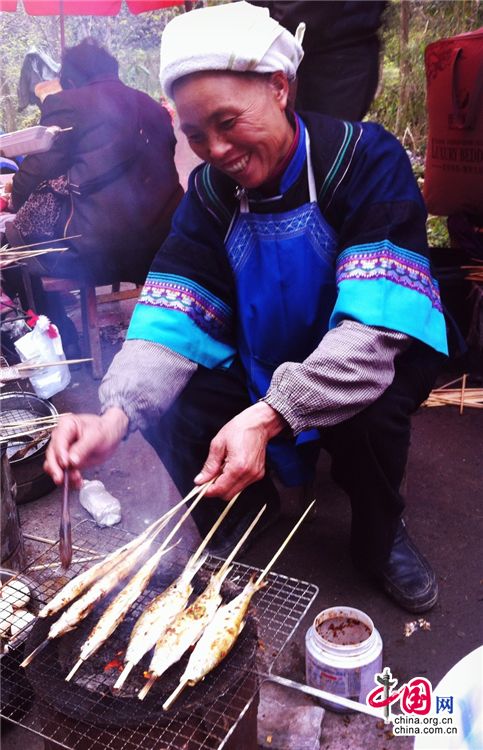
x=144, y=379
x=352, y=366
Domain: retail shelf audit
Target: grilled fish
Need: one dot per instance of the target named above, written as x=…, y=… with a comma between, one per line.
x=80, y=583
x=185, y=630
x=83, y=606
x=156, y=618
x=118, y=608
x=220, y=635
x=226, y=625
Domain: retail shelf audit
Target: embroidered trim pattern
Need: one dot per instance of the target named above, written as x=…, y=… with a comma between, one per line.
x=383, y=260
x=300, y=221
x=171, y=292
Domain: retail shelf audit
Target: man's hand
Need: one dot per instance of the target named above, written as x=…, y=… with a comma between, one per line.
x=82, y=440
x=238, y=451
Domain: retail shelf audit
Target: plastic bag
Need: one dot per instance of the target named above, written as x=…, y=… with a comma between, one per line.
x=43, y=345
x=103, y=507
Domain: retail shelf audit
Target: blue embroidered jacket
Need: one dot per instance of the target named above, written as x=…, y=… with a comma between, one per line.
x=366, y=192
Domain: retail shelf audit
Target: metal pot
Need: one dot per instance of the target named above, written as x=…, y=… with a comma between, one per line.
x=27, y=462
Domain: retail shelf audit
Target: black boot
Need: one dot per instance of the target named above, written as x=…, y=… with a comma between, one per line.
x=407, y=576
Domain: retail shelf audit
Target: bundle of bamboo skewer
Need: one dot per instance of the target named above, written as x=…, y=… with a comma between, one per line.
x=474, y=272
x=13, y=430
x=28, y=368
x=9, y=255
x=461, y=397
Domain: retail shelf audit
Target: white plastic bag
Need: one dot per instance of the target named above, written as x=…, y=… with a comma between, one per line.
x=44, y=344
x=103, y=507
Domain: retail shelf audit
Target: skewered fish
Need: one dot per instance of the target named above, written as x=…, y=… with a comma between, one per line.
x=118, y=608
x=83, y=606
x=79, y=610
x=188, y=626
x=219, y=636
x=80, y=583
x=225, y=627
x=76, y=586
x=163, y=609
x=185, y=630
x=156, y=618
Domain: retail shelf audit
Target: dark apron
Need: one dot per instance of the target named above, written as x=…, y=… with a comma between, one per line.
x=284, y=268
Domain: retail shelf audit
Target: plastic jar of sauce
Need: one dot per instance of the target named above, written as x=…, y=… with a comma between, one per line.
x=343, y=653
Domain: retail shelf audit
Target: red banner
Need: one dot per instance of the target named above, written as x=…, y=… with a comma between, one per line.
x=142, y=6
x=8, y=5
x=72, y=7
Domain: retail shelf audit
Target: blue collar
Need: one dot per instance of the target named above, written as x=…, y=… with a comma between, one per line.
x=297, y=162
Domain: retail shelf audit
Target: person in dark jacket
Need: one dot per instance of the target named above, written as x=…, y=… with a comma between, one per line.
x=340, y=70
x=121, y=188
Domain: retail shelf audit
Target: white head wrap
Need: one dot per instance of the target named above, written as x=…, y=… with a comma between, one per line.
x=236, y=36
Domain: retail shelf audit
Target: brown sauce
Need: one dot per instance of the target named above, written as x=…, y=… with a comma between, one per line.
x=344, y=631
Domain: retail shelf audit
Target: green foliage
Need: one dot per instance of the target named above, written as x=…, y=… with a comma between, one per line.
x=133, y=39
x=437, y=231
x=400, y=104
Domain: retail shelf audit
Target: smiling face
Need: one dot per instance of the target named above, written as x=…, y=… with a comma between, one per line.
x=236, y=122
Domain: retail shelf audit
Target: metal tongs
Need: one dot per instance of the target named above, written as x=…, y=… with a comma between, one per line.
x=65, y=531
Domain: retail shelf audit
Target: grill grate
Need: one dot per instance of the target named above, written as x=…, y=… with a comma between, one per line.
x=18, y=403
x=278, y=608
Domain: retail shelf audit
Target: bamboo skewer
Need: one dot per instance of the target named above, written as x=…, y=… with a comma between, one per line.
x=240, y=543
x=196, y=555
x=45, y=566
x=37, y=365
x=463, y=385
x=474, y=272
x=16, y=435
x=44, y=540
x=8, y=252
x=460, y=397
x=153, y=563
x=35, y=421
x=447, y=385
x=46, y=242
x=175, y=695
x=26, y=369
x=202, y=490
x=277, y=554
x=8, y=258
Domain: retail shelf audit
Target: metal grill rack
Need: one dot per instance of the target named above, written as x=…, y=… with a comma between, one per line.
x=279, y=608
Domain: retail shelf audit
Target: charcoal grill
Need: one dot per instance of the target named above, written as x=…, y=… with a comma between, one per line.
x=85, y=714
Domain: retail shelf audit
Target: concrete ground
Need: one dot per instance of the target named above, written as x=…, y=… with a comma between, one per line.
x=444, y=515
